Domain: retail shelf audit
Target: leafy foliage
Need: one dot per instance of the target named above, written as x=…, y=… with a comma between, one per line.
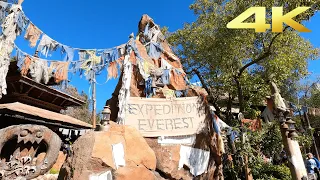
x=314, y=99
x=265, y=142
x=310, y=97
x=238, y=62
x=273, y=172
x=255, y=144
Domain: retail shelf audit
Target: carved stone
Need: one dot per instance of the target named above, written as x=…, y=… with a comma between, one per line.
x=20, y=146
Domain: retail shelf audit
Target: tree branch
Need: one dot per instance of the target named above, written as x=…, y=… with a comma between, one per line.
x=197, y=72
x=205, y=86
x=263, y=56
x=260, y=58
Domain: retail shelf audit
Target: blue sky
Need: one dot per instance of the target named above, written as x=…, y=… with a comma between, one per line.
x=314, y=38
x=105, y=24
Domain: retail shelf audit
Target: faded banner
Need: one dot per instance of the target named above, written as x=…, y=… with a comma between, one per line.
x=165, y=117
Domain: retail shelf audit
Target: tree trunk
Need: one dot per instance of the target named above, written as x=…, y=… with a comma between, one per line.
x=240, y=94
x=247, y=169
x=302, y=120
x=205, y=86
x=229, y=113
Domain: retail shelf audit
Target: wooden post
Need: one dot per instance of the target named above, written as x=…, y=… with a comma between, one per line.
x=296, y=163
x=94, y=104
x=247, y=169
x=94, y=116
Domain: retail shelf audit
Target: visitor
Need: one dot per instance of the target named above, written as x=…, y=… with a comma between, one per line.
x=316, y=170
x=284, y=157
x=67, y=147
x=311, y=166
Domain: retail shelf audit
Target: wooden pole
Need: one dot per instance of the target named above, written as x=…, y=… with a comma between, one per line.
x=307, y=119
x=296, y=163
x=291, y=146
x=247, y=170
x=302, y=120
x=94, y=116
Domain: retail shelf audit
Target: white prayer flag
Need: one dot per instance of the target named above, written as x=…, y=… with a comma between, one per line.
x=118, y=155
x=196, y=159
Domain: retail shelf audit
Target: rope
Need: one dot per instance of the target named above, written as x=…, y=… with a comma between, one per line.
x=67, y=45
x=102, y=83
x=24, y=14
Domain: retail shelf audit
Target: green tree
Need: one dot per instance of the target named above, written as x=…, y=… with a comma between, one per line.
x=311, y=94
x=314, y=100
x=238, y=62
x=310, y=97
x=83, y=112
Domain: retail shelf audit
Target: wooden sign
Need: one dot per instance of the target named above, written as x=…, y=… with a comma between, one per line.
x=155, y=117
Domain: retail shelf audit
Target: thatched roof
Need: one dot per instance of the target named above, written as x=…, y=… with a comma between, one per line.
x=41, y=114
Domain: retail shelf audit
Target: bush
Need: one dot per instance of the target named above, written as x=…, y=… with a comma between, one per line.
x=268, y=142
x=269, y=171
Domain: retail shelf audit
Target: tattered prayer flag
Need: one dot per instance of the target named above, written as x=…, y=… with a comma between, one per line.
x=32, y=34
x=196, y=159
x=113, y=70
x=26, y=65
x=133, y=58
x=118, y=155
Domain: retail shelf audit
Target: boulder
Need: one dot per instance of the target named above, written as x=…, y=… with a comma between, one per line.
x=61, y=158
x=168, y=160
x=56, y=167
x=92, y=154
x=168, y=157
x=47, y=177
x=131, y=173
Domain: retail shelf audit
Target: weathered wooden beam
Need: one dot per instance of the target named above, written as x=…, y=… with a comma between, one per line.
x=40, y=94
x=54, y=100
x=21, y=88
x=40, y=103
x=41, y=120
x=38, y=86
x=63, y=102
x=14, y=87
x=29, y=90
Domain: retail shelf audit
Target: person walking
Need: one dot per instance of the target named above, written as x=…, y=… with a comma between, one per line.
x=311, y=166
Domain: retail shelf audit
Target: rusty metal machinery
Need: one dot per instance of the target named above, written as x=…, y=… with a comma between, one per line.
x=27, y=151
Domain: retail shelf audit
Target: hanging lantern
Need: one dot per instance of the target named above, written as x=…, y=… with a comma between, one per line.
x=284, y=126
x=292, y=130
x=293, y=135
x=106, y=112
x=291, y=126
x=282, y=118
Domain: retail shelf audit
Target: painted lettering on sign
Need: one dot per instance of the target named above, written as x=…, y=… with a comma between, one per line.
x=159, y=117
x=165, y=124
x=165, y=109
